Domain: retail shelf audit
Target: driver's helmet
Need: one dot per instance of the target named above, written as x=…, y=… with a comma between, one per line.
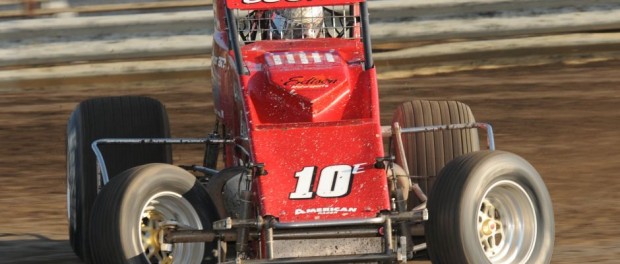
x=298, y=23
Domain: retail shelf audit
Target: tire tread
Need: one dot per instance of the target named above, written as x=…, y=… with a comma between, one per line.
x=427, y=153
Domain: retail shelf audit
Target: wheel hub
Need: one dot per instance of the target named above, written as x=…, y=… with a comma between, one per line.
x=506, y=223
x=488, y=228
x=160, y=208
x=151, y=230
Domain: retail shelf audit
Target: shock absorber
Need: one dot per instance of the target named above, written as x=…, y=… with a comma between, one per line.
x=245, y=210
x=212, y=150
x=245, y=198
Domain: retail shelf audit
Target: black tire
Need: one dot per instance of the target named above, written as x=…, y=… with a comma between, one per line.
x=490, y=207
x=134, y=204
x=108, y=117
x=427, y=153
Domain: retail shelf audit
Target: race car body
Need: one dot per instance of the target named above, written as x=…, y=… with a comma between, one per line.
x=298, y=168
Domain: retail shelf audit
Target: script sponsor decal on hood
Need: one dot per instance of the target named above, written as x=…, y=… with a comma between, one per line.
x=326, y=210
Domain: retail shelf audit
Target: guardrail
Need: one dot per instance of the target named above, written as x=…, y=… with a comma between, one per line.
x=35, y=8
x=47, y=41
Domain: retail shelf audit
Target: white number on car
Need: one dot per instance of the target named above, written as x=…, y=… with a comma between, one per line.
x=334, y=181
x=305, y=178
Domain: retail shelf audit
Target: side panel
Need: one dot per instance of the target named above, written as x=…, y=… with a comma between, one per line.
x=219, y=71
x=269, y=4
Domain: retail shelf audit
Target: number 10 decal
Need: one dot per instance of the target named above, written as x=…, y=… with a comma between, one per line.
x=334, y=181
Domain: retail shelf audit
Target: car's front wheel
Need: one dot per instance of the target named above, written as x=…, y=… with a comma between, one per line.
x=129, y=215
x=490, y=207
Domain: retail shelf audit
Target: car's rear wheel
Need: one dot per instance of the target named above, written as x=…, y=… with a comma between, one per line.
x=107, y=117
x=130, y=213
x=490, y=207
x=427, y=153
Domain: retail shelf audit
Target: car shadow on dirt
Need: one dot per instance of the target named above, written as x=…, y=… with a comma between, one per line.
x=33, y=248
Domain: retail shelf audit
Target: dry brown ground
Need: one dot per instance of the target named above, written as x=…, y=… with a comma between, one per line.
x=563, y=119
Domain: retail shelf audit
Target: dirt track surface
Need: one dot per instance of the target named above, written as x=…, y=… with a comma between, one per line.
x=564, y=120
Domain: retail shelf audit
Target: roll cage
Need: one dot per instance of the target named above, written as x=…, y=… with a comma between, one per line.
x=248, y=21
